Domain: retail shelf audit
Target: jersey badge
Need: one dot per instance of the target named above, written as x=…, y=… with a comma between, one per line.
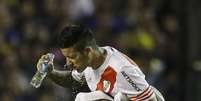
x=106, y=86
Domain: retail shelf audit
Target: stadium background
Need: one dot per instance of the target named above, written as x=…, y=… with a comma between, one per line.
x=162, y=36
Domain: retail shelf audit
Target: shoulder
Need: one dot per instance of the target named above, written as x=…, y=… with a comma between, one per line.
x=109, y=48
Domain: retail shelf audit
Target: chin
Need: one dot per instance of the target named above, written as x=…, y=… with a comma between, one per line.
x=80, y=71
x=77, y=69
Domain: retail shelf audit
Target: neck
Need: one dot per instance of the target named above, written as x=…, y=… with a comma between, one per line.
x=99, y=58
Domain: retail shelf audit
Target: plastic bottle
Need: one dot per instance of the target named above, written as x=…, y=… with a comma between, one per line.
x=41, y=74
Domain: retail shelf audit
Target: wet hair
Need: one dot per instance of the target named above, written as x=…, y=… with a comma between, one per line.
x=76, y=36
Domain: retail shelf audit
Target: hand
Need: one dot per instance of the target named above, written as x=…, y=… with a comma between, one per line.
x=43, y=59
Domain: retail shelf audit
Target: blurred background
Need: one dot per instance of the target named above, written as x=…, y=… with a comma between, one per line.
x=161, y=36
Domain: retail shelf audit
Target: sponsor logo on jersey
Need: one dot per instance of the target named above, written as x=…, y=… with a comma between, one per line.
x=130, y=81
x=106, y=86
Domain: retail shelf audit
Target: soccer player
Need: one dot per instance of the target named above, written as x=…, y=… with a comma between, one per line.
x=110, y=74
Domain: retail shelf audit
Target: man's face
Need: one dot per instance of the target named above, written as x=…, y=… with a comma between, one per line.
x=78, y=60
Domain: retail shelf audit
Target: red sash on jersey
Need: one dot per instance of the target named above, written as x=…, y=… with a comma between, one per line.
x=107, y=81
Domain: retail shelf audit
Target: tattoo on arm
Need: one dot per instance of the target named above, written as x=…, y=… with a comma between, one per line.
x=62, y=78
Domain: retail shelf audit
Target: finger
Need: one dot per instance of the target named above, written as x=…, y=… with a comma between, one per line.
x=50, y=63
x=40, y=61
x=44, y=57
x=50, y=66
x=39, y=64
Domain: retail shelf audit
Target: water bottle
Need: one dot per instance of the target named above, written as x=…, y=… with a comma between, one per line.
x=42, y=72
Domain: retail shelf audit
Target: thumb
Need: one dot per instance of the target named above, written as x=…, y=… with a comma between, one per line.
x=50, y=67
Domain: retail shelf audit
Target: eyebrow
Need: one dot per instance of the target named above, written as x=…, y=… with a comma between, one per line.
x=70, y=56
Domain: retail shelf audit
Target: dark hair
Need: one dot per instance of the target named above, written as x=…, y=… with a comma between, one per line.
x=77, y=36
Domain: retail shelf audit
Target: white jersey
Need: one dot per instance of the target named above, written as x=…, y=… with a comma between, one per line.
x=117, y=74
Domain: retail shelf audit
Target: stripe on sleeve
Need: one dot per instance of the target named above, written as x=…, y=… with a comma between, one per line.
x=146, y=94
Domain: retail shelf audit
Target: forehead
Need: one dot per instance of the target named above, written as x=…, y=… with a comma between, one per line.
x=68, y=52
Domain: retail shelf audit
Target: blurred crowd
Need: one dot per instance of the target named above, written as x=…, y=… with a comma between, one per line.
x=145, y=30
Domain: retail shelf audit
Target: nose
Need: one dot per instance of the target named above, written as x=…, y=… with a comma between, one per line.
x=69, y=61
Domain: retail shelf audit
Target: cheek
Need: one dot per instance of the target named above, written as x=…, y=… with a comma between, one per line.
x=85, y=61
x=89, y=60
x=80, y=61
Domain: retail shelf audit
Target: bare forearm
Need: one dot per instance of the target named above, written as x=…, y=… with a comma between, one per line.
x=62, y=78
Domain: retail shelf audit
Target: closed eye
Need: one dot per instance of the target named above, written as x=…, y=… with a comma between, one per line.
x=71, y=56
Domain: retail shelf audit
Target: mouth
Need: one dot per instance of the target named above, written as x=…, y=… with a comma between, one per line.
x=78, y=70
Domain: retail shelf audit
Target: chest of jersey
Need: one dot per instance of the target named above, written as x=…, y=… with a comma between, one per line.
x=101, y=80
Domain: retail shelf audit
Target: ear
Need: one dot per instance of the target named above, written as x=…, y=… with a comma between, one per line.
x=87, y=51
